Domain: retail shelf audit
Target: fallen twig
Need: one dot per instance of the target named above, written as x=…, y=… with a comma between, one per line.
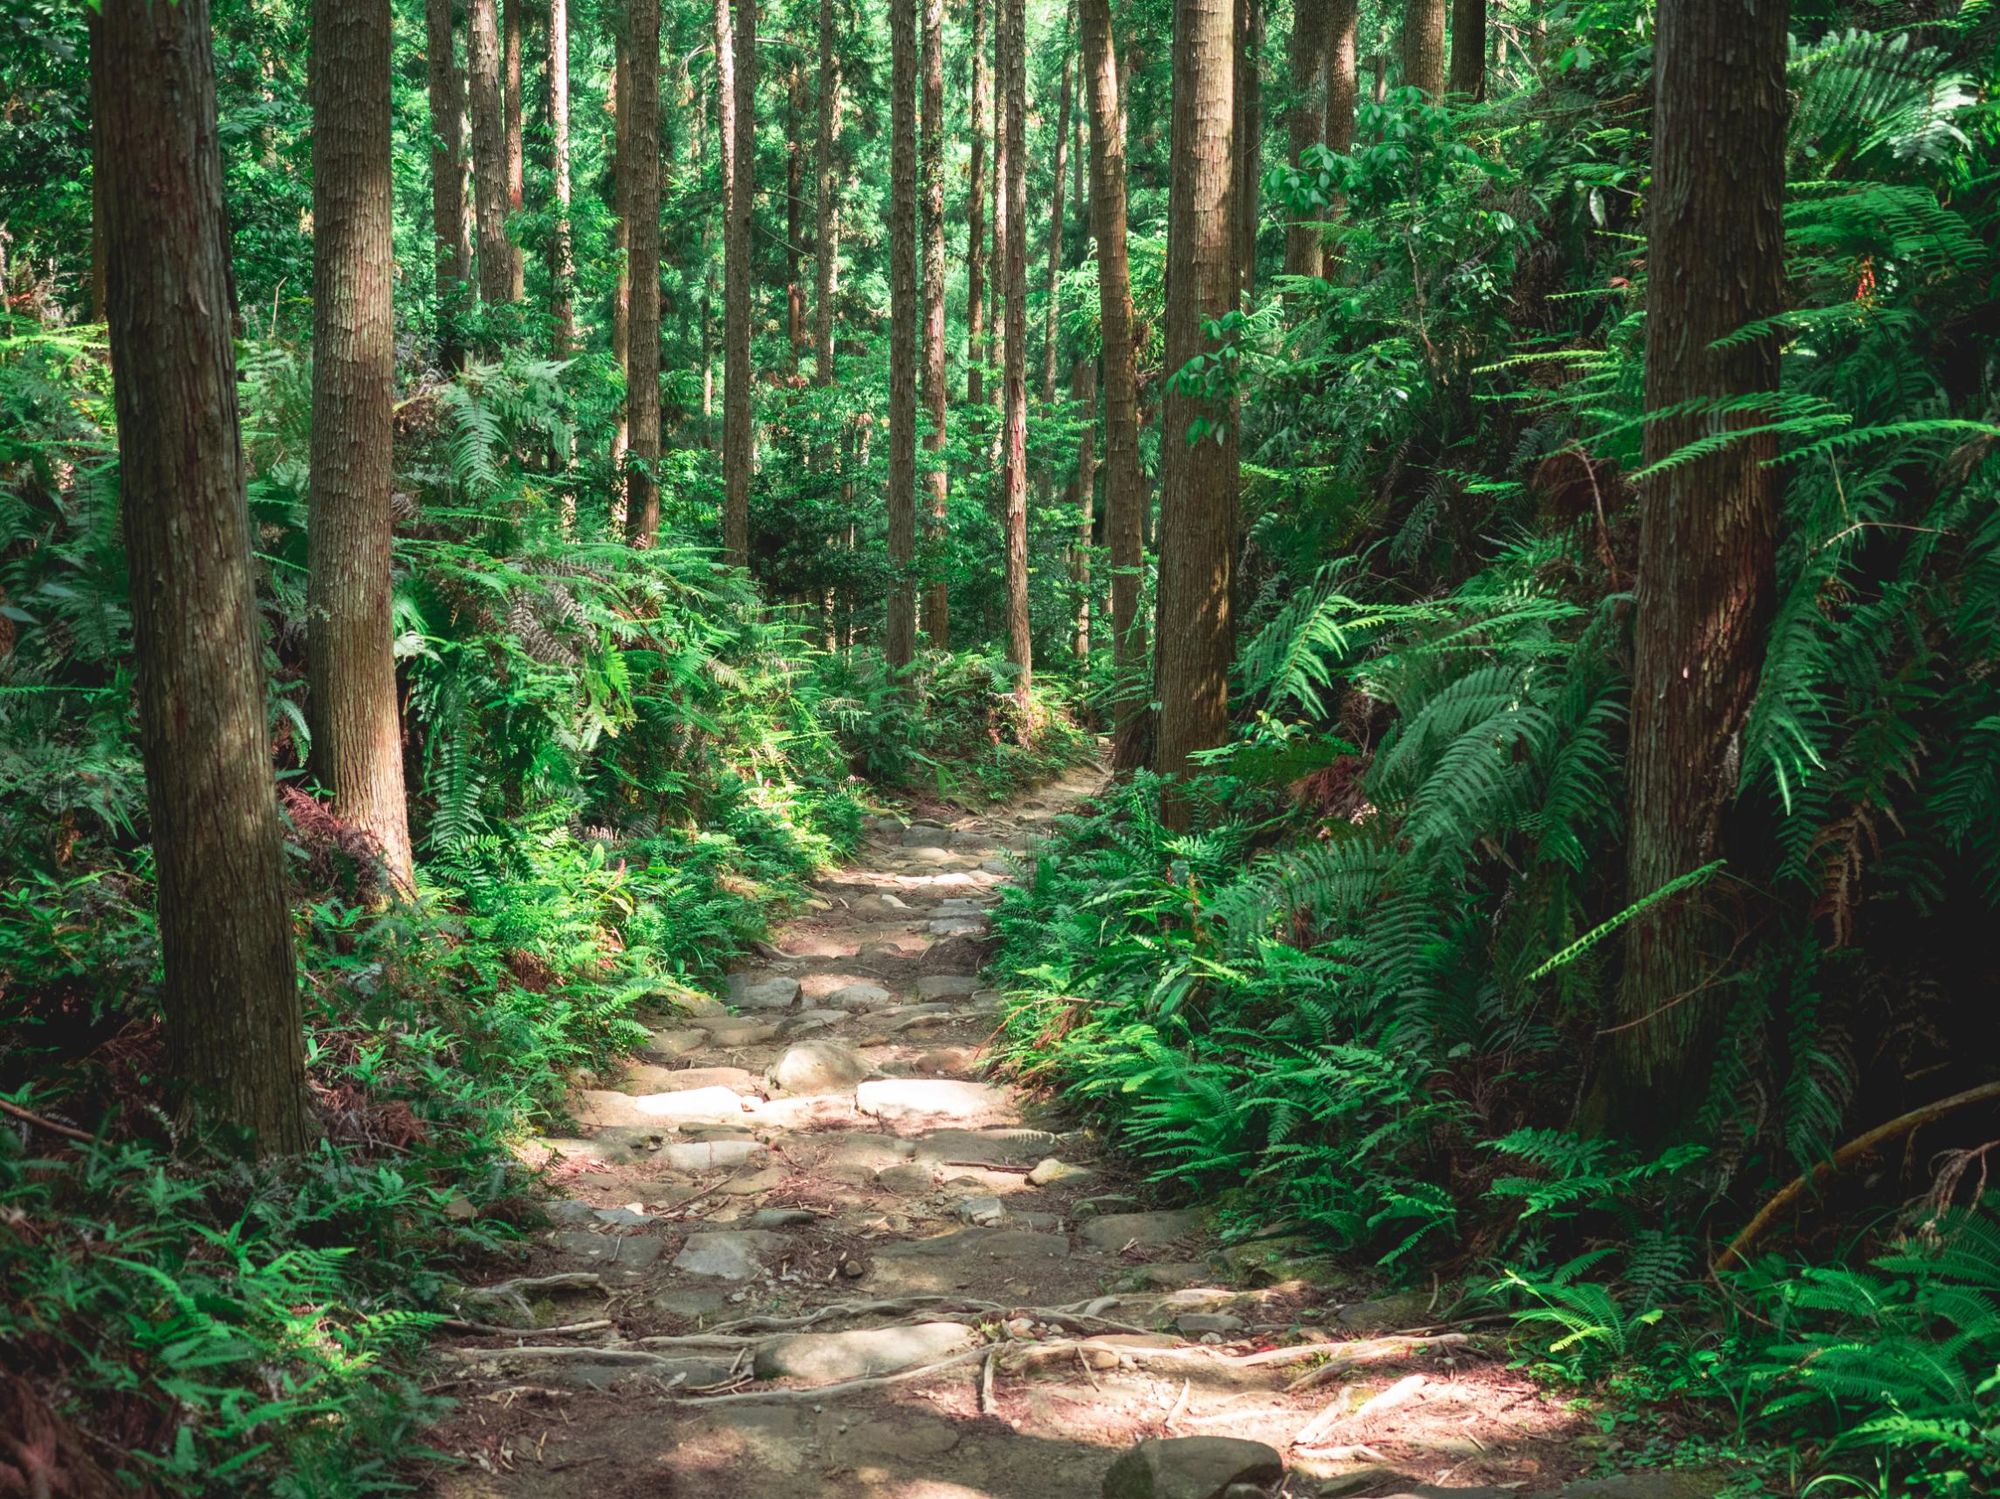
x=1179, y=1405
x=28, y=1116
x=987, y=1404
x=494, y=1330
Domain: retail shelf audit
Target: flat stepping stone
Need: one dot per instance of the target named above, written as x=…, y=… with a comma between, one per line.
x=985, y=1147
x=1114, y=1231
x=860, y=997
x=980, y=1244
x=778, y=992
x=962, y=953
x=734, y=1032
x=1192, y=1468
x=729, y=1254
x=930, y=855
x=934, y=986
x=709, y=1155
x=830, y=1357
x=957, y=926
x=926, y=1098
x=644, y=1079
x=880, y=901
x=908, y=1180
x=618, y=1254
x=926, y=835
x=1051, y=1171
x=767, y=1180
x=601, y=1108
x=804, y=1110
x=671, y=1046
x=819, y=1066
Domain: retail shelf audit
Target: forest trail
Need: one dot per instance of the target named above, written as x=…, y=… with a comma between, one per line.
x=807, y=1250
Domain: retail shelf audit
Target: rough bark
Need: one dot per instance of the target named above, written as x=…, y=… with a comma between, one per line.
x=825, y=248
x=1468, y=48
x=930, y=171
x=1051, y=340
x=1124, y=485
x=795, y=186
x=1083, y=495
x=975, y=218
x=996, y=269
x=511, y=113
x=357, y=742
x=447, y=93
x=1014, y=424
x=1249, y=144
x=899, y=644
x=562, y=263
x=1343, y=76
x=642, y=203
x=1423, y=46
x=619, y=102
x=230, y=996
x=489, y=152
x=737, y=435
x=1715, y=261
x=1198, y=477
x=1306, y=121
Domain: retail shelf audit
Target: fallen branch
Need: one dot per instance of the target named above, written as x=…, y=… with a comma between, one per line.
x=1330, y=1416
x=1852, y=1151
x=987, y=1404
x=28, y=1116
x=1344, y=1356
x=493, y=1330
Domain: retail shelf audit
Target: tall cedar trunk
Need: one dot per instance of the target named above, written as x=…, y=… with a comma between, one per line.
x=1715, y=262
x=1198, y=477
x=489, y=146
x=1124, y=486
x=1306, y=121
x=900, y=644
x=642, y=203
x=511, y=108
x=736, y=309
x=1014, y=429
x=1083, y=395
x=1249, y=144
x=824, y=249
x=996, y=269
x=1468, y=48
x=975, y=218
x=447, y=88
x=795, y=187
x=1051, y=341
x=357, y=742
x=619, y=103
x=562, y=262
x=230, y=998
x=1423, y=46
x=930, y=170
x=1343, y=77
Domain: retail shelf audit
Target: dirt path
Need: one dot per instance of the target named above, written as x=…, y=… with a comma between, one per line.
x=807, y=1251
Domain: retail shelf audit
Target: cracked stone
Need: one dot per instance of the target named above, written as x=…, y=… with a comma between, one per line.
x=1192, y=1468
x=829, y=1357
x=1113, y=1231
x=732, y=1254
x=820, y=1066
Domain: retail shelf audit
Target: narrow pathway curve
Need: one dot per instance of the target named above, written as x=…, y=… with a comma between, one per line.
x=807, y=1250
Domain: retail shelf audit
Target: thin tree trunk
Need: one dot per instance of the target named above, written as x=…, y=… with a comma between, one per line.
x=357, y=742
x=824, y=243
x=619, y=103
x=899, y=645
x=1249, y=135
x=1468, y=48
x=1423, y=46
x=511, y=64
x=737, y=436
x=975, y=218
x=1051, y=341
x=642, y=201
x=795, y=187
x=1197, y=465
x=1083, y=396
x=1708, y=526
x=489, y=148
x=230, y=997
x=1014, y=431
x=1124, y=486
x=562, y=263
x=1306, y=121
x=996, y=275
x=447, y=90
x=1343, y=76
x=930, y=171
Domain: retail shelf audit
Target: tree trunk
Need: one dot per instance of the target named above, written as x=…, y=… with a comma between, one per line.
x=1051, y=337
x=511, y=106
x=1423, y=46
x=1343, y=75
x=489, y=151
x=1197, y=464
x=930, y=171
x=1249, y=135
x=642, y=203
x=737, y=435
x=1083, y=395
x=1306, y=123
x=795, y=187
x=824, y=245
x=996, y=270
x=1124, y=485
x=975, y=218
x=447, y=180
x=357, y=742
x=562, y=263
x=1014, y=428
x=1715, y=262
x=1468, y=48
x=899, y=646
x=230, y=997
x=619, y=102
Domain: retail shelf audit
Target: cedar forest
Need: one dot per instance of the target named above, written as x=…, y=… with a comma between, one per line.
x=501, y=501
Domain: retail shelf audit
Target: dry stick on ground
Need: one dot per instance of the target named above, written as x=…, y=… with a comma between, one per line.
x=26, y=1117
x=987, y=1405
x=491, y=1330
x=1852, y=1151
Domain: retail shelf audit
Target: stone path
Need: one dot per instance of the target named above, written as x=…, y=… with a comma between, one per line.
x=807, y=1249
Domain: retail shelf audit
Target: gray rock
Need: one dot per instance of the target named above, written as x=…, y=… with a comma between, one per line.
x=983, y=1211
x=829, y=1357
x=961, y=954
x=709, y=1155
x=926, y=835
x=741, y=1031
x=908, y=1436
x=777, y=992
x=957, y=926
x=1195, y=1324
x=1684, y=1483
x=644, y=1079
x=921, y=1098
x=929, y=855
x=695, y=1103
x=569, y=1210
x=671, y=1046
x=611, y=1252
x=935, y=986
x=806, y=1022
x=728, y=1255
x=906, y=1181
x=622, y=1217
x=1388, y=1313
x=818, y=1067
x=1052, y=1171
x=1192, y=1468
x=859, y=997
x=1114, y=1231
x=987, y=1147
x=775, y=1218
x=980, y=1243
